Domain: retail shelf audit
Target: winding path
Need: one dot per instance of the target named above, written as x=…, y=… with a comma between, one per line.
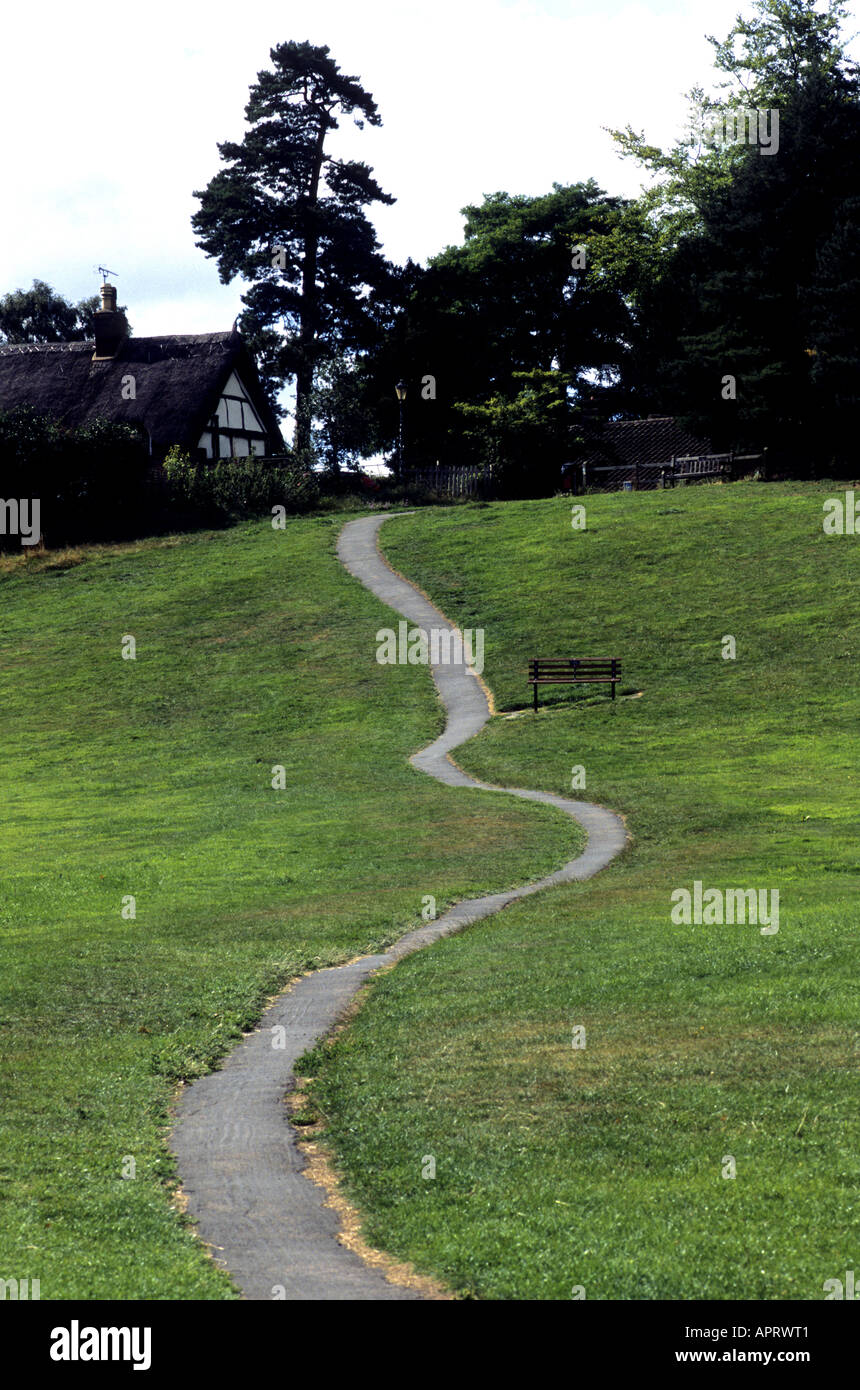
x=239, y=1163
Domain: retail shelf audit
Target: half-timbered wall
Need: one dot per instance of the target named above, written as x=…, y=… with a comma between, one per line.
x=235, y=429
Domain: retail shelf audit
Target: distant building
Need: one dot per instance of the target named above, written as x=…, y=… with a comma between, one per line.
x=198, y=390
x=635, y=451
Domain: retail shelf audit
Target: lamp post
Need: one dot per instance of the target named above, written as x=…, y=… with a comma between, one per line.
x=400, y=388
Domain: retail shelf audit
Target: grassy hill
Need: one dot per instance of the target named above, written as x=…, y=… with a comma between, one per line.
x=152, y=778
x=603, y=1167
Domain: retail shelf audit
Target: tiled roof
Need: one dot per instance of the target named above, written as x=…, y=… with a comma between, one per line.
x=648, y=443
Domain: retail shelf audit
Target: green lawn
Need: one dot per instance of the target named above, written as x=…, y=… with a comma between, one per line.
x=602, y=1167
x=152, y=778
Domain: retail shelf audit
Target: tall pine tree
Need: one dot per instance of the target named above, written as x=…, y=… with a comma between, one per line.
x=288, y=216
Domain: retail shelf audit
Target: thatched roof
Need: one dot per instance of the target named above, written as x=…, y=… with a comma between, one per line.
x=649, y=443
x=177, y=377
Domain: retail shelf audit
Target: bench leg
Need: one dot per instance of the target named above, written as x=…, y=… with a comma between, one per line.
x=534, y=691
x=613, y=690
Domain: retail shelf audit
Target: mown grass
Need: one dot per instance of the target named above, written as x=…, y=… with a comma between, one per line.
x=152, y=778
x=603, y=1167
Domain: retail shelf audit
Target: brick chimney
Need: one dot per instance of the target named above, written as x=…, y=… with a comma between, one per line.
x=111, y=326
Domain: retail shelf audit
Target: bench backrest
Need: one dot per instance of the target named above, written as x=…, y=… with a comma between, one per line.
x=702, y=463
x=574, y=667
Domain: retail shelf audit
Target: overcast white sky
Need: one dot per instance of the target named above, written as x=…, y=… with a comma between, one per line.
x=111, y=112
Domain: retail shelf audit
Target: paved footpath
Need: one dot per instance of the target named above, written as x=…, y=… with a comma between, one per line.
x=239, y=1163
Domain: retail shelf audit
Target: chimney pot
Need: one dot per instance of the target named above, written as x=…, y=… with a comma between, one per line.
x=108, y=299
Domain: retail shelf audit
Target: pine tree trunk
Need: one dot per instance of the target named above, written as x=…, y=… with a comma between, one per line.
x=304, y=387
x=308, y=311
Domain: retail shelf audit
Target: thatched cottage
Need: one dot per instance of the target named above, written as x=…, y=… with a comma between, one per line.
x=198, y=390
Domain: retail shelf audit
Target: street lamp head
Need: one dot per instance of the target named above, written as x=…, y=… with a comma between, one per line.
x=400, y=388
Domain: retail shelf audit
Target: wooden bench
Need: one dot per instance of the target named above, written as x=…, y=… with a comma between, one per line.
x=694, y=467
x=601, y=670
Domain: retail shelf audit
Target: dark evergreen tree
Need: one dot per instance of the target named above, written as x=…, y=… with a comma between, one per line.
x=288, y=216
x=833, y=308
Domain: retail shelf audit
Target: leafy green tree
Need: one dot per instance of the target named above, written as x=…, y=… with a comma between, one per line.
x=727, y=328
x=772, y=55
x=767, y=60
x=523, y=439
x=289, y=217
x=41, y=315
x=346, y=430
x=521, y=295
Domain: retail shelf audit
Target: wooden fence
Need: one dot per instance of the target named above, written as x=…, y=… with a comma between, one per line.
x=690, y=468
x=451, y=480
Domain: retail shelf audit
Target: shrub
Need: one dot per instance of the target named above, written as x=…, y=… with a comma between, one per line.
x=96, y=482
x=235, y=489
x=524, y=439
x=91, y=482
